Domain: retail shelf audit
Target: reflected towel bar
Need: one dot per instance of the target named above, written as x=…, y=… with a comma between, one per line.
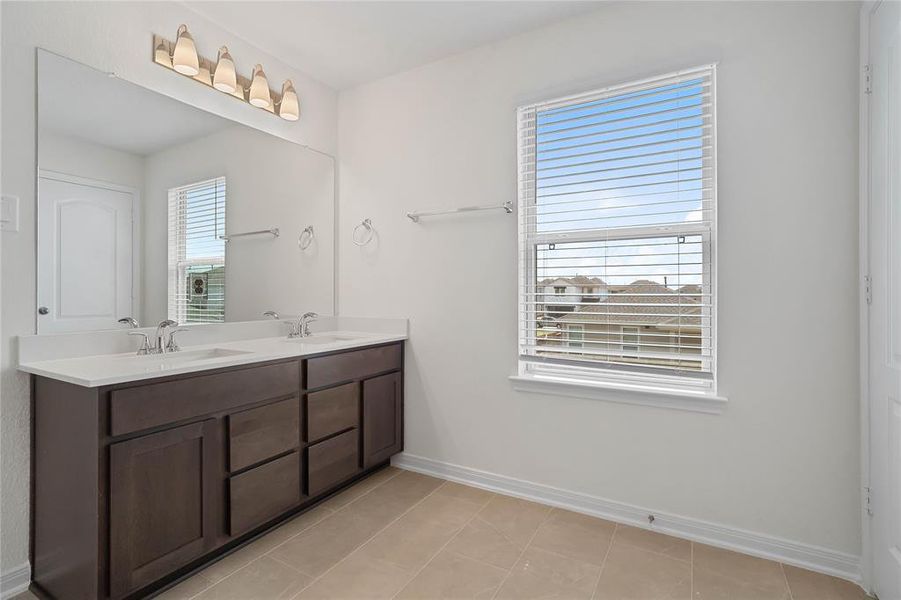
x=273, y=232
x=415, y=216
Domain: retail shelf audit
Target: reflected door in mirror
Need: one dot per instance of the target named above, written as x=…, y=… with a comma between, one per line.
x=84, y=254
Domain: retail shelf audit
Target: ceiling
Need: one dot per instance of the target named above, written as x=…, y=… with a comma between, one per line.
x=344, y=44
x=80, y=102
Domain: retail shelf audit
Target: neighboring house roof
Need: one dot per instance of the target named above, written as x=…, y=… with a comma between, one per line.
x=644, y=302
x=577, y=280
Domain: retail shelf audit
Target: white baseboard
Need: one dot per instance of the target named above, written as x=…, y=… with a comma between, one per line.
x=822, y=560
x=15, y=581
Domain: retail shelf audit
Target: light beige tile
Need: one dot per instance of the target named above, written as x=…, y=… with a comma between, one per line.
x=542, y=574
x=633, y=574
x=360, y=488
x=321, y=546
x=186, y=589
x=221, y=569
x=450, y=575
x=721, y=574
x=483, y=542
x=465, y=492
x=410, y=542
x=577, y=536
x=807, y=585
x=447, y=509
x=263, y=579
x=358, y=577
x=651, y=541
x=234, y=561
x=516, y=519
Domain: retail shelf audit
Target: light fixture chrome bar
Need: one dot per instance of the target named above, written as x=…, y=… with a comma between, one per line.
x=273, y=232
x=415, y=216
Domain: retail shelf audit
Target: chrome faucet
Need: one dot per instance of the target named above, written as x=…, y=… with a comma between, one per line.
x=271, y=313
x=161, y=333
x=301, y=327
x=130, y=321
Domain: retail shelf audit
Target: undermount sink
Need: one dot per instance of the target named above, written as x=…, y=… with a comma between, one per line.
x=194, y=355
x=324, y=338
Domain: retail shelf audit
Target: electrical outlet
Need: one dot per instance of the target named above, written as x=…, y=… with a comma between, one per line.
x=9, y=213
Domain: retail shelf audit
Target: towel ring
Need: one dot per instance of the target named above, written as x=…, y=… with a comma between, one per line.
x=366, y=224
x=306, y=237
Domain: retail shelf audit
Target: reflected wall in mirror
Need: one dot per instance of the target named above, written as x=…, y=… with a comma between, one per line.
x=136, y=191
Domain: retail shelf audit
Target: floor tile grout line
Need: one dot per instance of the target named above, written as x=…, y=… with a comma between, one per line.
x=445, y=545
x=597, y=584
x=313, y=524
x=524, y=548
x=788, y=586
x=369, y=539
x=691, y=569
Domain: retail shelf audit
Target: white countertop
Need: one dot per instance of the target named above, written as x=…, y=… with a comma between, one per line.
x=107, y=369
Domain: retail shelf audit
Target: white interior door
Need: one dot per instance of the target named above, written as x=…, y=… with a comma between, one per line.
x=84, y=255
x=885, y=309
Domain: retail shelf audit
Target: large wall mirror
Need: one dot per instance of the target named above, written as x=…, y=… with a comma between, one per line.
x=143, y=200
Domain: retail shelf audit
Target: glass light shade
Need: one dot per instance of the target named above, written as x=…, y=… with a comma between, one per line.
x=184, y=57
x=224, y=78
x=161, y=55
x=259, y=89
x=289, y=109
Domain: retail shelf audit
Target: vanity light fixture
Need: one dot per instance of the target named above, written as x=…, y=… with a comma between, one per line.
x=184, y=57
x=259, y=94
x=289, y=108
x=181, y=56
x=224, y=78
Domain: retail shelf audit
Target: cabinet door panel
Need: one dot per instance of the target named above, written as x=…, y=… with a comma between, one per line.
x=260, y=433
x=332, y=410
x=162, y=503
x=264, y=492
x=383, y=419
x=333, y=461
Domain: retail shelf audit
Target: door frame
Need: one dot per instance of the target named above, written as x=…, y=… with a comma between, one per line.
x=136, y=237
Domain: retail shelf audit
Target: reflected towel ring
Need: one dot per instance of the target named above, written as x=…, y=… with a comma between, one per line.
x=366, y=224
x=306, y=237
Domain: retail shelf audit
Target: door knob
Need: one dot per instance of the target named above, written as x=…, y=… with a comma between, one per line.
x=43, y=310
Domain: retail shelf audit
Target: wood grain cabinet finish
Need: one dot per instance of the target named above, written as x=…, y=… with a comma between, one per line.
x=264, y=492
x=163, y=503
x=136, y=485
x=333, y=461
x=260, y=433
x=332, y=410
x=383, y=434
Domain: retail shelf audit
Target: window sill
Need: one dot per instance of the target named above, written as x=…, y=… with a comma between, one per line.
x=623, y=393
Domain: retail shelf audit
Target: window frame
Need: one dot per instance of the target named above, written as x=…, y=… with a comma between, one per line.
x=178, y=262
x=533, y=375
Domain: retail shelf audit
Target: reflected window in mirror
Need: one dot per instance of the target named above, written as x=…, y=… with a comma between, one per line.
x=197, y=252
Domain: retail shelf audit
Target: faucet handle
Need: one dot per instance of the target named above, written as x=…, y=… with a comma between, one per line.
x=173, y=346
x=271, y=313
x=145, y=343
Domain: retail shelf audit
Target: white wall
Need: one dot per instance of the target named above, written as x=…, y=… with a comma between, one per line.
x=72, y=156
x=270, y=183
x=782, y=460
x=111, y=36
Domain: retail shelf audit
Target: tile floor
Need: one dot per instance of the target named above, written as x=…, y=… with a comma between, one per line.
x=398, y=534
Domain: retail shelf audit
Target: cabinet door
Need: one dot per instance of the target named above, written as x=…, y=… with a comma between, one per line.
x=383, y=418
x=162, y=503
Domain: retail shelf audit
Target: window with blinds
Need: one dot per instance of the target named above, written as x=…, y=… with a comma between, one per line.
x=196, y=252
x=617, y=199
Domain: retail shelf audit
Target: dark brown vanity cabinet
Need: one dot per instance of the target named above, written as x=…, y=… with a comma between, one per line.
x=138, y=484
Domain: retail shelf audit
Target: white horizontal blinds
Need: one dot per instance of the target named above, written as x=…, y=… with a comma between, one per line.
x=196, y=252
x=617, y=202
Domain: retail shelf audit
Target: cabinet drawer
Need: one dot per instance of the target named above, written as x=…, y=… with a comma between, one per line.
x=260, y=433
x=333, y=461
x=263, y=493
x=145, y=406
x=337, y=368
x=332, y=410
